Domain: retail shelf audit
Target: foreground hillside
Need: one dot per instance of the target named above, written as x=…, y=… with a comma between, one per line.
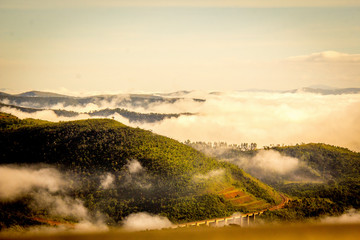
x=115, y=170
x=323, y=179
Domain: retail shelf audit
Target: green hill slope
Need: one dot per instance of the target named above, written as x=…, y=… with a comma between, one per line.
x=324, y=179
x=149, y=172
x=338, y=168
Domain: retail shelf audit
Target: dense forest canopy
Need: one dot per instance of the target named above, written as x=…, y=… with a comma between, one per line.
x=143, y=171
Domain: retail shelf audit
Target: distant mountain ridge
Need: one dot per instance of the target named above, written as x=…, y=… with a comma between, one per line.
x=45, y=100
x=174, y=96
x=40, y=94
x=336, y=91
x=108, y=112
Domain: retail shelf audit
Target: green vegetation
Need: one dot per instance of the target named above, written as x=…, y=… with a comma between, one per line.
x=175, y=180
x=333, y=163
x=304, y=209
x=326, y=180
x=135, y=116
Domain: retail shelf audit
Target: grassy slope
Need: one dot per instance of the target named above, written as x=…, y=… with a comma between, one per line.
x=90, y=148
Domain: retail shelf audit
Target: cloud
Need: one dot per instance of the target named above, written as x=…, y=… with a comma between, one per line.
x=48, y=115
x=350, y=216
x=214, y=174
x=327, y=57
x=271, y=160
x=46, y=189
x=107, y=180
x=270, y=164
x=173, y=3
x=267, y=118
x=137, y=175
x=145, y=221
x=261, y=117
x=134, y=166
x=59, y=205
x=15, y=182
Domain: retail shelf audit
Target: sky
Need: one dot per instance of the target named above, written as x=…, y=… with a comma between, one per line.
x=162, y=46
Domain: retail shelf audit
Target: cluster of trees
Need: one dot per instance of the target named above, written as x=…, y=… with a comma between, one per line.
x=221, y=145
x=135, y=116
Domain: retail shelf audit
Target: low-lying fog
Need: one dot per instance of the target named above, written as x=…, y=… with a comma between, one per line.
x=261, y=117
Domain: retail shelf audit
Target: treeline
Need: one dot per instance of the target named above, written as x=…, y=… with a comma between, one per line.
x=130, y=115
x=135, y=116
x=221, y=145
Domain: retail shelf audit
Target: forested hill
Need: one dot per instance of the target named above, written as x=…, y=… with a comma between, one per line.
x=97, y=145
x=148, y=172
x=332, y=162
x=324, y=178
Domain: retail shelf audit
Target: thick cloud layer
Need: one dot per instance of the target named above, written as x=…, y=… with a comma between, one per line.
x=261, y=117
x=267, y=118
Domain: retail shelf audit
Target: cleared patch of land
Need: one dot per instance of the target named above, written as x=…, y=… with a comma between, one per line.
x=240, y=198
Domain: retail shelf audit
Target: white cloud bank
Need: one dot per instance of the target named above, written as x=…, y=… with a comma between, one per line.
x=266, y=118
x=145, y=221
x=261, y=117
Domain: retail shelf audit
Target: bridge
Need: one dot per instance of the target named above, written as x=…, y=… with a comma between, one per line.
x=238, y=219
x=242, y=219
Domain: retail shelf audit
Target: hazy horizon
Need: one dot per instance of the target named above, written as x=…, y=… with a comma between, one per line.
x=166, y=46
x=235, y=116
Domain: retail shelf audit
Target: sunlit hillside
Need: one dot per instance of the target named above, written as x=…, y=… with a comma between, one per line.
x=110, y=171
